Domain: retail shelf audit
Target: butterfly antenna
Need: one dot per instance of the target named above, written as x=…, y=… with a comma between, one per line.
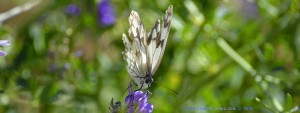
x=167, y=88
x=125, y=90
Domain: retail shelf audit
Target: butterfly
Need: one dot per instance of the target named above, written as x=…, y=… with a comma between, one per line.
x=144, y=51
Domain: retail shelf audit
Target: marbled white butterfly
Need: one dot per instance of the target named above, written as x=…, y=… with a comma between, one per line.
x=144, y=51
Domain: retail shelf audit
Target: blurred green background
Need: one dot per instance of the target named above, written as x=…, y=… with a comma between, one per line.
x=65, y=56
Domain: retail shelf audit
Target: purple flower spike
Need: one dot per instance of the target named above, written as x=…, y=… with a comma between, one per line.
x=72, y=9
x=106, y=15
x=138, y=98
x=4, y=43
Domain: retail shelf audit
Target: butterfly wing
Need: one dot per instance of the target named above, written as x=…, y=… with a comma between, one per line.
x=135, y=50
x=133, y=63
x=157, y=40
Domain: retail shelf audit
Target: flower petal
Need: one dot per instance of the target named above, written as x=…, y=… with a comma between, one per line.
x=147, y=108
x=106, y=15
x=72, y=9
x=129, y=100
x=138, y=95
x=2, y=53
x=130, y=110
x=4, y=42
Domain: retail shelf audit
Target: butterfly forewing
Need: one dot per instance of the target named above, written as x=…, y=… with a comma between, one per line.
x=162, y=40
x=144, y=52
x=138, y=33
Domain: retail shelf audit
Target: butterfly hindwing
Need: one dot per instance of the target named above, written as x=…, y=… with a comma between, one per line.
x=131, y=59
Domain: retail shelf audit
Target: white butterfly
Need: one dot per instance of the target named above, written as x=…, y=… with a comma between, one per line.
x=145, y=51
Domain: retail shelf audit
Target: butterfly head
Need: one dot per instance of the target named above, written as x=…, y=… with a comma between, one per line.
x=148, y=79
x=145, y=82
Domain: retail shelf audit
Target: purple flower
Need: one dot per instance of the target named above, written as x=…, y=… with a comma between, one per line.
x=4, y=43
x=138, y=98
x=72, y=9
x=106, y=15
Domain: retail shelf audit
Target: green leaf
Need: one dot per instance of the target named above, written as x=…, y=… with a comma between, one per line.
x=235, y=56
x=38, y=35
x=277, y=104
x=294, y=5
x=288, y=102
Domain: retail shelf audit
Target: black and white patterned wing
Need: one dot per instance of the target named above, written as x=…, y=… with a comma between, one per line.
x=135, y=50
x=131, y=58
x=157, y=40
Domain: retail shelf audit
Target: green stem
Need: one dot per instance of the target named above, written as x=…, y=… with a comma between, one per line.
x=235, y=56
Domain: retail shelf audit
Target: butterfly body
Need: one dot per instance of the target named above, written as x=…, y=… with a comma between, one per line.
x=144, y=51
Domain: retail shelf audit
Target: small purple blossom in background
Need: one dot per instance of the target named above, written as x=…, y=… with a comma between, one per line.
x=140, y=98
x=105, y=13
x=4, y=43
x=72, y=9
